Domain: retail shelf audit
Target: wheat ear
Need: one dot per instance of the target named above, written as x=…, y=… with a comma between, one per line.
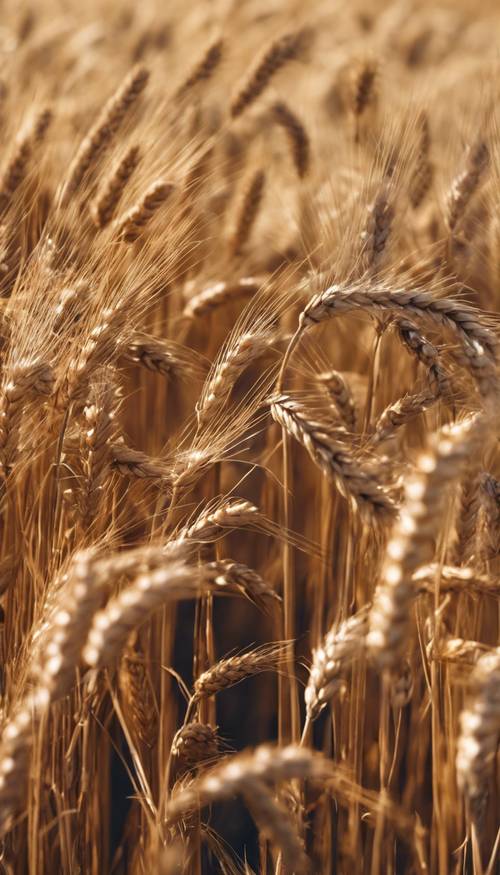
x=340, y=394
x=130, y=227
x=108, y=198
x=477, y=341
x=356, y=483
x=479, y=730
x=272, y=765
x=412, y=541
x=103, y=131
x=341, y=645
x=285, y=48
x=297, y=136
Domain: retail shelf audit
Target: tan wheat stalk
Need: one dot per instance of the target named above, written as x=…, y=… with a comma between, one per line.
x=137, y=465
x=425, y=352
x=477, y=341
x=99, y=414
x=469, y=505
x=454, y=579
x=239, y=353
x=162, y=356
x=381, y=214
x=17, y=167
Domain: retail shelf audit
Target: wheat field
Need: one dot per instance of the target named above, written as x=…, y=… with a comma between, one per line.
x=249, y=418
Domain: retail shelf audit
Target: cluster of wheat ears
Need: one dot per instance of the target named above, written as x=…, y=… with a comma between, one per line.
x=249, y=419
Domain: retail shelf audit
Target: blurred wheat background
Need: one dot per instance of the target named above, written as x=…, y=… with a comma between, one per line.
x=249, y=418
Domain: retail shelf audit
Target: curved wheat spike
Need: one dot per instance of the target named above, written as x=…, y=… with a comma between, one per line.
x=356, y=483
x=341, y=645
x=479, y=731
x=412, y=541
x=272, y=765
x=478, y=343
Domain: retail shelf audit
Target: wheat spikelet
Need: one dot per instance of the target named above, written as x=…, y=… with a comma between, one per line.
x=285, y=48
x=467, y=517
x=423, y=173
x=340, y=394
x=479, y=729
x=108, y=198
x=454, y=579
x=22, y=382
x=103, y=131
x=220, y=294
x=275, y=824
x=412, y=541
x=162, y=356
x=489, y=496
x=356, y=483
x=231, y=576
x=134, y=463
x=342, y=644
x=400, y=413
x=204, y=69
x=424, y=351
x=248, y=212
x=381, y=215
x=195, y=743
x=230, y=671
x=297, y=136
x=477, y=341
x=16, y=168
x=363, y=87
x=126, y=611
x=238, y=355
x=99, y=416
x=137, y=694
x=459, y=650
x=268, y=764
x=130, y=227
x=465, y=185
